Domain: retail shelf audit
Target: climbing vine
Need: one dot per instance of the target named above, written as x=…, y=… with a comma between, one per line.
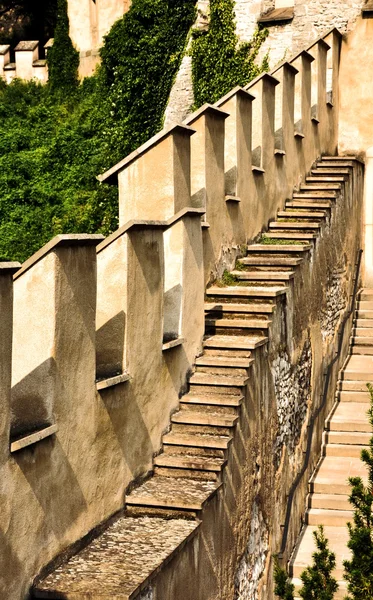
x=219, y=61
x=63, y=59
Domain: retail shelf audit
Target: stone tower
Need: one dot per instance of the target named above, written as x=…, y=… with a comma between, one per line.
x=90, y=21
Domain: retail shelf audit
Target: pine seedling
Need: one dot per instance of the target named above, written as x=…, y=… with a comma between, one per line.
x=318, y=583
x=284, y=589
x=359, y=569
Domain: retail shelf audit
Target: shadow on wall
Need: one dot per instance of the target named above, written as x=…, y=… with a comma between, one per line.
x=110, y=347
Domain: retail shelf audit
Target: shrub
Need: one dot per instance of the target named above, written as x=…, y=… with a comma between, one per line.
x=63, y=59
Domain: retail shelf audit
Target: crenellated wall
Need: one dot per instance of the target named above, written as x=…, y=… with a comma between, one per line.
x=27, y=64
x=105, y=332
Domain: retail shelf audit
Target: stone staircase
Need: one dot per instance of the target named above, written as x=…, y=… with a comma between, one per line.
x=165, y=510
x=347, y=431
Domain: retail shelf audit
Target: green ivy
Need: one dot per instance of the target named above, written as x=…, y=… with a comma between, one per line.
x=63, y=59
x=219, y=61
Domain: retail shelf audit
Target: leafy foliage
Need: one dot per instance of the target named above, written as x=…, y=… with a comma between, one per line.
x=359, y=570
x=63, y=59
x=318, y=583
x=219, y=62
x=53, y=145
x=284, y=589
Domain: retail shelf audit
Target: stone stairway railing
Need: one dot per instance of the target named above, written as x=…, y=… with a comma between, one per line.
x=105, y=332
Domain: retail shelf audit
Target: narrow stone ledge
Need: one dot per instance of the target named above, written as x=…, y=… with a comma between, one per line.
x=279, y=152
x=299, y=135
x=173, y=344
x=33, y=438
x=315, y=120
x=112, y=381
x=258, y=170
x=229, y=198
x=205, y=225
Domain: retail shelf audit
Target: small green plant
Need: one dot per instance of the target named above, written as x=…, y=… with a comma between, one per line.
x=318, y=583
x=359, y=570
x=265, y=239
x=284, y=589
x=219, y=61
x=229, y=279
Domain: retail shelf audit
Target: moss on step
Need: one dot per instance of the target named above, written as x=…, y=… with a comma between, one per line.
x=265, y=239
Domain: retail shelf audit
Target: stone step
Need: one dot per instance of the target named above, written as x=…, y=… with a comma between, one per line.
x=338, y=159
x=302, y=557
x=332, y=171
x=352, y=386
x=308, y=204
x=348, y=438
x=120, y=561
x=346, y=450
x=190, y=462
x=364, y=323
x=320, y=187
x=212, y=400
x=204, y=418
x=325, y=179
x=264, y=275
x=315, y=194
x=237, y=342
x=246, y=292
x=300, y=236
x=349, y=416
x=366, y=295
x=277, y=248
x=294, y=225
x=362, y=340
x=248, y=308
x=362, y=332
x=362, y=349
x=332, y=476
x=218, y=442
x=272, y=261
x=354, y=396
x=224, y=361
x=358, y=368
x=217, y=380
x=238, y=323
x=365, y=305
x=299, y=214
x=329, y=502
x=326, y=517
x=174, y=494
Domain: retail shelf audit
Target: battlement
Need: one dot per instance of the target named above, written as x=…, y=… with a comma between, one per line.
x=27, y=64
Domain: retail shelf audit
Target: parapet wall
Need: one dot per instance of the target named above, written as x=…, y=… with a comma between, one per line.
x=101, y=335
x=27, y=64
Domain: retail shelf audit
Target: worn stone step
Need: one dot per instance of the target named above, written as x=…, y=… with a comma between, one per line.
x=365, y=305
x=330, y=171
x=294, y=225
x=362, y=349
x=188, y=417
x=217, y=380
x=366, y=295
x=320, y=187
x=300, y=236
x=167, y=492
x=332, y=475
x=247, y=292
x=277, y=248
x=264, y=275
x=347, y=450
x=315, y=194
x=190, y=462
x=358, y=368
x=299, y=214
x=359, y=331
x=186, y=473
x=249, y=308
x=237, y=342
x=218, y=442
x=354, y=396
x=338, y=159
x=120, y=561
x=352, y=386
x=365, y=324
x=272, y=261
x=239, y=323
x=360, y=340
x=349, y=416
x=212, y=400
x=331, y=518
x=308, y=204
x=302, y=557
x=325, y=179
x=348, y=438
x=329, y=501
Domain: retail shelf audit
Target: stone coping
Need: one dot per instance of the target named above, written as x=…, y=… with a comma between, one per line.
x=112, y=381
x=143, y=224
x=237, y=91
x=7, y=268
x=261, y=77
x=49, y=43
x=26, y=46
x=278, y=15
x=110, y=176
x=62, y=240
x=39, y=63
x=4, y=48
x=10, y=67
x=33, y=438
x=173, y=344
x=286, y=65
x=205, y=110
